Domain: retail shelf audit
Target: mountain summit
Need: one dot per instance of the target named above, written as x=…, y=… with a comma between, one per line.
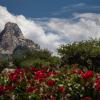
x=11, y=37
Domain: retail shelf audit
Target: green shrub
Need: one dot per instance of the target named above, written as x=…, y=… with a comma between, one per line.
x=83, y=52
x=24, y=57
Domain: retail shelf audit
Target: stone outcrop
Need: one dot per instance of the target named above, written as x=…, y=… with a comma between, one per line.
x=11, y=37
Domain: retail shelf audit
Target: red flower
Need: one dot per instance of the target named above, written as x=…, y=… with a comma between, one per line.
x=51, y=83
x=97, y=80
x=75, y=65
x=80, y=72
x=19, y=70
x=88, y=74
x=51, y=74
x=97, y=87
x=41, y=74
x=61, y=89
x=13, y=76
x=30, y=89
x=98, y=76
x=97, y=84
x=33, y=69
x=9, y=88
x=29, y=81
x=86, y=98
x=77, y=71
x=38, y=78
x=2, y=88
x=52, y=98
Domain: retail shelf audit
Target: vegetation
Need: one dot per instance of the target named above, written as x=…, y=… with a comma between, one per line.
x=42, y=76
x=24, y=57
x=83, y=52
x=45, y=84
x=4, y=62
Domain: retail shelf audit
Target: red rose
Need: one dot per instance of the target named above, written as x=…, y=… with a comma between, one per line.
x=52, y=98
x=41, y=74
x=19, y=70
x=61, y=89
x=97, y=80
x=33, y=69
x=30, y=89
x=51, y=74
x=2, y=88
x=9, y=88
x=77, y=71
x=51, y=83
x=86, y=98
x=30, y=81
x=97, y=84
x=88, y=74
x=38, y=78
x=75, y=65
x=13, y=76
x=97, y=87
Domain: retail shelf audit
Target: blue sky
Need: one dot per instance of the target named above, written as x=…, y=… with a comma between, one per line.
x=51, y=8
x=51, y=23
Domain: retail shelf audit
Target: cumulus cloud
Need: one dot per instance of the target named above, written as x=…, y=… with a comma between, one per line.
x=51, y=32
x=30, y=28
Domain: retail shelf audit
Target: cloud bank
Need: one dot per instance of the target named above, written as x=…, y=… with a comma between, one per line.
x=50, y=33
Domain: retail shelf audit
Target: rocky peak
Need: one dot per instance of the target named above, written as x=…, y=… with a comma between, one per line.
x=13, y=29
x=11, y=37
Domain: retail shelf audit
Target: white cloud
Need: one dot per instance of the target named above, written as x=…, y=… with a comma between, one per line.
x=30, y=28
x=51, y=32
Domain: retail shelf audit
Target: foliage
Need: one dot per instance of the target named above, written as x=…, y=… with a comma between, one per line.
x=31, y=62
x=20, y=54
x=83, y=52
x=4, y=62
x=24, y=57
x=44, y=84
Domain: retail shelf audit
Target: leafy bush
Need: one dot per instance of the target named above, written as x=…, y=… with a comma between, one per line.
x=83, y=52
x=38, y=63
x=4, y=62
x=24, y=57
x=20, y=54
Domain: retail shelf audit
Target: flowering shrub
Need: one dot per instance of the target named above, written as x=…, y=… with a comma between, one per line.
x=46, y=84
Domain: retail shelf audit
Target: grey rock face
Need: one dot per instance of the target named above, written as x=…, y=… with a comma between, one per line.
x=11, y=37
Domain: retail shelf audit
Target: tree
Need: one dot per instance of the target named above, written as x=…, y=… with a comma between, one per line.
x=20, y=54
x=23, y=56
x=83, y=52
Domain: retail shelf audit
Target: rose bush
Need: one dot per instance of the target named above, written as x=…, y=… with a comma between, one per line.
x=47, y=84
